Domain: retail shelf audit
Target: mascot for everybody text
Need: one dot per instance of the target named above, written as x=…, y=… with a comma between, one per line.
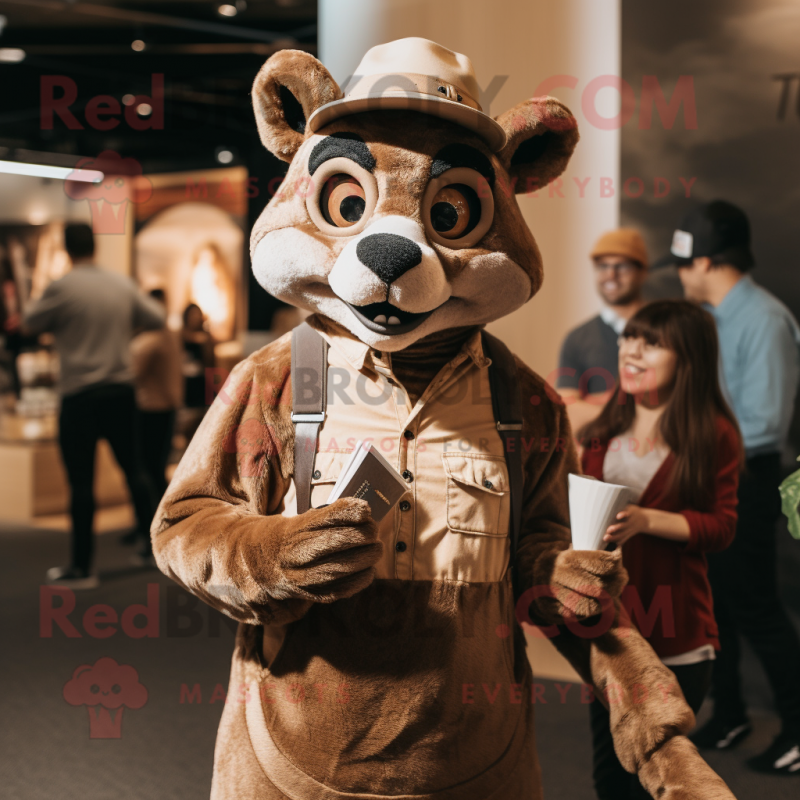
x=383, y=660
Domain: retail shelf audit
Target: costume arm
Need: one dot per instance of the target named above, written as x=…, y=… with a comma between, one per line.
x=218, y=531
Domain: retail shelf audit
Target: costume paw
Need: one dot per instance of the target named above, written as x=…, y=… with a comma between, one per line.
x=330, y=553
x=676, y=771
x=585, y=581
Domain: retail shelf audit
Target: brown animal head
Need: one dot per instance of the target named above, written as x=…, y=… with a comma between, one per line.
x=397, y=223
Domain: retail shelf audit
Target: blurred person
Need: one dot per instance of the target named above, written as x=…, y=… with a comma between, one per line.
x=667, y=433
x=760, y=366
x=92, y=314
x=198, y=356
x=156, y=357
x=588, y=361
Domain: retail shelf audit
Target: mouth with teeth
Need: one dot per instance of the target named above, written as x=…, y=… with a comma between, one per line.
x=632, y=369
x=386, y=319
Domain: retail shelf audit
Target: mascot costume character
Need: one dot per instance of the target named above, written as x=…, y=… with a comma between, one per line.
x=383, y=660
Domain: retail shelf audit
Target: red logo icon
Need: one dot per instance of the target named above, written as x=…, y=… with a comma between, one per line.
x=106, y=689
x=122, y=184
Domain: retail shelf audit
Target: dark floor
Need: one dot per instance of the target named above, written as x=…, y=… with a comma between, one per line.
x=166, y=745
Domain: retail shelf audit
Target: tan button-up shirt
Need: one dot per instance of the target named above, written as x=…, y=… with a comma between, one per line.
x=453, y=523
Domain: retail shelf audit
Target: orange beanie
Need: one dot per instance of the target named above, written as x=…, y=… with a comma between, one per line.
x=625, y=242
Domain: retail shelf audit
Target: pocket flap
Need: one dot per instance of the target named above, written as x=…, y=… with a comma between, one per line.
x=329, y=466
x=487, y=473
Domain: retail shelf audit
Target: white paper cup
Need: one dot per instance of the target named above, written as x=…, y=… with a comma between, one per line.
x=593, y=506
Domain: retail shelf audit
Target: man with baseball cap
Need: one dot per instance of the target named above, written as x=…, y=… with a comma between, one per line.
x=588, y=363
x=760, y=366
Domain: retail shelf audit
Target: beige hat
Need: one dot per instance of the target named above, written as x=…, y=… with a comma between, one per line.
x=418, y=75
x=625, y=242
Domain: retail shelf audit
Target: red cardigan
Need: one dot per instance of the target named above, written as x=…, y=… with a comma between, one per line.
x=669, y=596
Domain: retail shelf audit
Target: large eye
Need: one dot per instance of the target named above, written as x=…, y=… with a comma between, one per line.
x=455, y=211
x=343, y=201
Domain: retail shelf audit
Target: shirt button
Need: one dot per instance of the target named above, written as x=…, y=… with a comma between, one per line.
x=487, y=483
x=409, y=434
x=405, y=505
x=316, y=475
x=400, y=547
x=407, y=476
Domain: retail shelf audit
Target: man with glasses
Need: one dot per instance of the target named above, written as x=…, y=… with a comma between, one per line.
x=588, y=363
x=760, y=365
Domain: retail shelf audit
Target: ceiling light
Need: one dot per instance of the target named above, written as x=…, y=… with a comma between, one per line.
x=227, y=10
x=144, y=109
x=45, y=171
x=224, y=156
x=138, y=45
x=11, y=55
x=38, y=215
x=128, y=99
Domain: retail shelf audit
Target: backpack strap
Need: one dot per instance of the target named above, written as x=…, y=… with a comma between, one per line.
x=309, y=401
x=507, y=406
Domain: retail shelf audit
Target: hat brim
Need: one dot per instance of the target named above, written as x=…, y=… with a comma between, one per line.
x=490, y=131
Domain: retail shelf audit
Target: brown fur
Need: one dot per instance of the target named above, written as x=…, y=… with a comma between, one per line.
x=299, y=560
x=539, y=116
x=676, y=771
x=307, y=80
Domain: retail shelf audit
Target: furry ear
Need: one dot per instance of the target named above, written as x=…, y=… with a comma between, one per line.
x=288, y=89
x=542, y=133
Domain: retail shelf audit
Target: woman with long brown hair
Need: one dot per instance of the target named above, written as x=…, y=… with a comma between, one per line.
x=668, y=434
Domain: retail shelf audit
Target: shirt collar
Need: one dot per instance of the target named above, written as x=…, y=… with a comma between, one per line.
x=474, y=349
x=359, y=355
x=613, y=320
x=355, y=352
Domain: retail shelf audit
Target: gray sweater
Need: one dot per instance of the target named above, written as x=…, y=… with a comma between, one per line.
x=93, y=314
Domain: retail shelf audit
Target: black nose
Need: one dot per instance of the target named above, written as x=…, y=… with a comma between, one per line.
x=388, y=255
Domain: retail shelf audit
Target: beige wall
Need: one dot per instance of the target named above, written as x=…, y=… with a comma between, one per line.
x=527, y=40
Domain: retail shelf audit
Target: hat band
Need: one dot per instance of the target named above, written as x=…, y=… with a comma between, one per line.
x=360, y=86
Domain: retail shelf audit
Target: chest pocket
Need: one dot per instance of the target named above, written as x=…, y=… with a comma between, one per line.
x=327, y=468
x=478, y=496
